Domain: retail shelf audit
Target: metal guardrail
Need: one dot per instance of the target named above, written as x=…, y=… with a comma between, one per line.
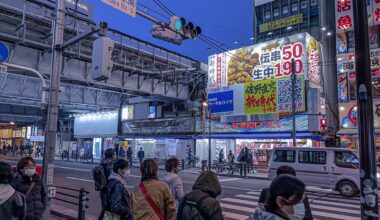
x=74, y=197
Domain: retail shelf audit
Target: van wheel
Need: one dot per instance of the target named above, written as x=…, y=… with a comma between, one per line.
x=347, y=188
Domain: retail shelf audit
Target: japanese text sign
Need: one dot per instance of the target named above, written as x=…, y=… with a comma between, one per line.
x=221, y=103
x=280, y=23
x=343, y=15
x=125, y=6
x=260, y=97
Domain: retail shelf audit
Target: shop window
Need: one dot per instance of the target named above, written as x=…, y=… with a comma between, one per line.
x=295, y=7
x=314, y=3
x=304, y=4
x=346, y=159
x=312, y=157
x=285, y=9
x=276, y=12
x=267, y=15
x=284, y=156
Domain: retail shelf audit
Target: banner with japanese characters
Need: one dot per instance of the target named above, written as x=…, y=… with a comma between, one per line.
x=376, y=12
x=268, y=60
x=260, y=97
x=344, y=15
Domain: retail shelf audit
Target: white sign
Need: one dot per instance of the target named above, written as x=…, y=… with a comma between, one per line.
x=344, y=15
x=37, y=138
x=125, y=6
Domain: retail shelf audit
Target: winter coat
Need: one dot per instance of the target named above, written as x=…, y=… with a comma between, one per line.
x=12, y=203
x=107, y=165
x=119, y=199
x=161, y=196
x=175, y=186
x=141, y=154
x=308, y=214
x=36, y=201
x=207, y=186
x=261, y=214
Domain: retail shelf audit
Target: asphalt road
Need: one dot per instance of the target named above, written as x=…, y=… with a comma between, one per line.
x=77, y=175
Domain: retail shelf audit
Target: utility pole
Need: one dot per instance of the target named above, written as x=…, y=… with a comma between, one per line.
x=367, y=150
x=294, y=78
x=209, y=138
x=52, y=111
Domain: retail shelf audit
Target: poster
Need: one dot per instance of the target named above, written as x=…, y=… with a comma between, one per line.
x=284, y=95
x=266, y=60
x=341, y=43
x=127, y=7
x=343, y=15
x=342, y=88
x=260, y=97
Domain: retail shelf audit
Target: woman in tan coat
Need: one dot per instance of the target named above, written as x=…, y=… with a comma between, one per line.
x=158, y=203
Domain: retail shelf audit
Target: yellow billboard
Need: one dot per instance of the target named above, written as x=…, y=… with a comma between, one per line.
x=280, y=23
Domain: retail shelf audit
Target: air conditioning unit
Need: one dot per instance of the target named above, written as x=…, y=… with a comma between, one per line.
x=101, y=58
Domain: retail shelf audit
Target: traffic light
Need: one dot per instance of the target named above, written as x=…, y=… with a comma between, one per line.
x=184, y=27
x=166, y=35
x=323, y=124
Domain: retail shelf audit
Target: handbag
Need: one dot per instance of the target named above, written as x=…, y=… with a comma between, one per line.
x=151, y=202
x=110, y=216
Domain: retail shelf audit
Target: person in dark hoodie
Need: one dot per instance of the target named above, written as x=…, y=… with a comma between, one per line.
x=27, y=182
x=107, y=164
x=12, y=203
x=201, y=202
x=119, y=198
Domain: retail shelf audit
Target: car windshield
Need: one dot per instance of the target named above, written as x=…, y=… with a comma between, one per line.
x=346, y=157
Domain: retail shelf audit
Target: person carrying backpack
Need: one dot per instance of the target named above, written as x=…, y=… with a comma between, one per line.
x=173, y=180
x=141, y=155
x=100, y=175
x=201, y=202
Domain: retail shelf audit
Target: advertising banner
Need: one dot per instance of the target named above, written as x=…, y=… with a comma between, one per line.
x=260, y=97
x=127, y=7
x=284, y=22
x=348, y=115
x=346, y=63
x=344, y=15
x=222, y=102
x=159, y=126
x=342, y=88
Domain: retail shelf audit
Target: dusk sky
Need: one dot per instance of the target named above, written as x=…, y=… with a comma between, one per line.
x=225, y=21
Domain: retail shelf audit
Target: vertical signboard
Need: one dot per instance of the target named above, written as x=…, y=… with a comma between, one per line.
x=343, y=15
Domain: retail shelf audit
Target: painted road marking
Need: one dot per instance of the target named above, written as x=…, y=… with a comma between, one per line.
x=225, y=180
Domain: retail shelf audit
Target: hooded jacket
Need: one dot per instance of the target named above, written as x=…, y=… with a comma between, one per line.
x=36, y=201
x=175, y=185
x=119, y=199
x=161, y=196
x=12, y=203
x=207, y=186
x=261, y=214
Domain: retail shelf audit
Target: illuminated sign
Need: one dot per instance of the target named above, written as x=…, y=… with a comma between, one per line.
x=284, y=22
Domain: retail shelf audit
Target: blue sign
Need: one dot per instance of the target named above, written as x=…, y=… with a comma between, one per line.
x=4, y=52
x=221, y=103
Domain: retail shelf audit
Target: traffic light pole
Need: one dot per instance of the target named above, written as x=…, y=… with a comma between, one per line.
x=52, y=111
x=293, y=78
x=367, y=150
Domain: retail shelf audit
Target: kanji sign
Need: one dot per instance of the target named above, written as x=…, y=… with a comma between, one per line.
x=267, y=60
x=260, y=97
x=343, y=15
x=283, y=22
x=125, y=6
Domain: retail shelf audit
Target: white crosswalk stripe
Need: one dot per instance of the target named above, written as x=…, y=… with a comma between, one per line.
x=324, y=206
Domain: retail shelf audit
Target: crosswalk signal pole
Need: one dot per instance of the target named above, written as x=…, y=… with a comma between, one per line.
x=367, y=150
x=293, y=78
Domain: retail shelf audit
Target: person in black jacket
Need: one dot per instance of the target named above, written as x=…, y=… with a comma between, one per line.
x=118, y=196
x=27, y=181
x=107, y=163
x=285, y=169
x=12, y=203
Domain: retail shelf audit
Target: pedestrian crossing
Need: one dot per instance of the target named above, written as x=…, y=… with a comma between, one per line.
x=324, y=206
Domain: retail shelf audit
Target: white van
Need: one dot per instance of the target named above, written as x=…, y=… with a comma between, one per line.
x=332, y=168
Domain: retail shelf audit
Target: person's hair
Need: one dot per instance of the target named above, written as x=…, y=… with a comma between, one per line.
x=5, y=173
x=285, y=186
x=149, y=168
x=23, y=162
x=171, y=163
x=109, y=153
x=285, y=169
x=120, y=164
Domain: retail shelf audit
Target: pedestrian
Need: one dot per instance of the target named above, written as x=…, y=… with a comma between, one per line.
x=284, y=202
x=38, y=151
x=151, y=199
x=285, y=169
x=28, y=182
x=118, y=196
x=201, y=202
x=141, y=155
x=130, y=156
x=173, y=180
x=22, y=150
x=117, y=149
x=12, y=203
x=231, y=161
x=101, y=174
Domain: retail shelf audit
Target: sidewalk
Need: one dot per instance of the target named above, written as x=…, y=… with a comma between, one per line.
x=63, y=213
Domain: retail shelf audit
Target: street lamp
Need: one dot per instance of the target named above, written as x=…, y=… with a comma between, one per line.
x=206, y=112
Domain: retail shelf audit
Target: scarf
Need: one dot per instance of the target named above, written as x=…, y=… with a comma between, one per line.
x=119, y=178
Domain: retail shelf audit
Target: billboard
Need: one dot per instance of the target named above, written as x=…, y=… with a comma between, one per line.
x=271, y=96
x=265, y=67
x=267, y=60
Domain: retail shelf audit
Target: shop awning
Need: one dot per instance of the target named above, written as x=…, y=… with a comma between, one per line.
x=268, y=135
x=353, y=132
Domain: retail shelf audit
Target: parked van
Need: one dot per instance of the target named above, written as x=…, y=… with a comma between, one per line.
x=333, y=168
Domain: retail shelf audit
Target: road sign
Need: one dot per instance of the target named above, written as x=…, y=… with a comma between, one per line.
x=4, y=52
x=127, y=7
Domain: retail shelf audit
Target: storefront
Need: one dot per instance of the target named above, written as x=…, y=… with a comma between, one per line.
x=160, y=138
x=95, y=132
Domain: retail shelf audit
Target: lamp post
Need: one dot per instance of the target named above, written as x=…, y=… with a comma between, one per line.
x=206, y=113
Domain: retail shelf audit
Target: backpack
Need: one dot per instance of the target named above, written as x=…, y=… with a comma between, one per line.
x=195, y=206
x=99, y=176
